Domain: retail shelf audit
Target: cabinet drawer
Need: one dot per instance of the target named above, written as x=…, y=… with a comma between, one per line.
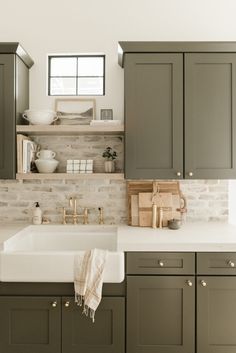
x=160, y=263
x=216, y=263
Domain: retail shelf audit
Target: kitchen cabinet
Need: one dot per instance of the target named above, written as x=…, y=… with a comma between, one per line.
x=105, y=335
x=216, y=298
x=166, y=314
x=153, y=116
x=210, y=115
x=30, y=324
x=180, y=116
x=160, y=306
x=216, y=314
x=160, y=314
x=14, y=99
x=47, y=323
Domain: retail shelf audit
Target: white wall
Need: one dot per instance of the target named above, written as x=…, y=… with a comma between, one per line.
x=75, y=26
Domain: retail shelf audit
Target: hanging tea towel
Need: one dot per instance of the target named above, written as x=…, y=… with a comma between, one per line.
x=88, y=279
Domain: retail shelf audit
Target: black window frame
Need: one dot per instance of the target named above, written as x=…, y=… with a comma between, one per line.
x=77, y=76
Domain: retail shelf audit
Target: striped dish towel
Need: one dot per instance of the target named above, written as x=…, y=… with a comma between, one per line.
x=88, y=279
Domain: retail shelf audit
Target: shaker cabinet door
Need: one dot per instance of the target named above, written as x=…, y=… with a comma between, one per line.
x=210, y=116
x=153, y=116
x=105, y=335
x=216, y=314
x=30, y=324
x=160, y=314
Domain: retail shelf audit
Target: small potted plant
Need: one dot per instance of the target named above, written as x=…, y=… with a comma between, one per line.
x=110, y=155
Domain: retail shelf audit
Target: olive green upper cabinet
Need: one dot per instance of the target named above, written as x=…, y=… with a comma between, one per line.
x=179, y=94
x=153, y=115
x=14, y=99
x=210, y=115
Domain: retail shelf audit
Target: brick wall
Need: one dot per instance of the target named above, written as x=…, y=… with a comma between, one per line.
x=207, y=199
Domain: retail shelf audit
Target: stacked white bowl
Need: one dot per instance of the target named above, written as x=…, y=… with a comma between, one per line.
x=46, y=162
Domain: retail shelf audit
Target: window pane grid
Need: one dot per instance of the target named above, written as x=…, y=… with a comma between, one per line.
x=81, y=84
x=74, y=76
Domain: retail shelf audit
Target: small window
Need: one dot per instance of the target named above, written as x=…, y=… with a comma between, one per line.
x=77, y=75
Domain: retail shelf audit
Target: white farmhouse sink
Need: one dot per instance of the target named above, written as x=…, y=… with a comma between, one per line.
x=45, y=253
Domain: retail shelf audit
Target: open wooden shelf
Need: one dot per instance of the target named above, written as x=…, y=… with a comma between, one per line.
x=69, y=129
x=56, y=176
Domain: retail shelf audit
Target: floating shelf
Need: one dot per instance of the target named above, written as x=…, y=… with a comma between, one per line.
x=58, y=176
x=70, y=129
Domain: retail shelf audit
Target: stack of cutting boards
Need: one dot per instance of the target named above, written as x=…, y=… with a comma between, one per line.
x=143, y=194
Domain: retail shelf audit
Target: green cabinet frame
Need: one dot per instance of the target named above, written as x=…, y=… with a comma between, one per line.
x=14, y=99
x=7, y=117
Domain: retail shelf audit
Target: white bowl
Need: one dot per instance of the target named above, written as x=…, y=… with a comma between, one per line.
x=40, y=117
x=46, y=165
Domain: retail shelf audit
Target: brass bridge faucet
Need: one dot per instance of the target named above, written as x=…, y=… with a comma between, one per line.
x=75, y=216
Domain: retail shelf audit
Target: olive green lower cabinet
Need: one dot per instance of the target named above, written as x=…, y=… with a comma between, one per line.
x=181, y=302
x=160, y=314
x=160, y=302
x=30, y=324
x=216, y=314
x=105, y=335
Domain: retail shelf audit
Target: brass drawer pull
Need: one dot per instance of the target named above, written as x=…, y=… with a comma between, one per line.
x=189, y=283
x=54, y=304
x=203, y=283
x=231, y=263
x=67, y=304
x=161, y=263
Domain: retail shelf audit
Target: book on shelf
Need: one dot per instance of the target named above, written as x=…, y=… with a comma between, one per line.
x=26, y=152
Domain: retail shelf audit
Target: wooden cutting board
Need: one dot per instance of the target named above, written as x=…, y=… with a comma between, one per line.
x=145, y=202
x=135, y=187
x=134, y=210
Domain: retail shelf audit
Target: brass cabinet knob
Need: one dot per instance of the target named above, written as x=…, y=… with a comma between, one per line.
x=189, y=283
x=161, y=263
x=67, y=304
x=203, y=283
x=178, y=174
x=54, y=304
x=231, y=263
x=190, y=174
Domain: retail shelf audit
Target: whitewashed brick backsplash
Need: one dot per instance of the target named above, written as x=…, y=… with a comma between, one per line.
x=207, y=199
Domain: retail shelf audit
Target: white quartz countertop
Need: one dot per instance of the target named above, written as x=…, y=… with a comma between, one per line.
x=191, y=237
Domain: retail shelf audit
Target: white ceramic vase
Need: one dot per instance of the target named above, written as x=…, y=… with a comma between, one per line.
x=109, y=166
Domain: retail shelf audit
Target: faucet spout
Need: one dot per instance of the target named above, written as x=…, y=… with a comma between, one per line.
x=73, y=204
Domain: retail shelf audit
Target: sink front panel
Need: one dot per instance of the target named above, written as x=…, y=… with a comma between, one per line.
x=46, y=253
